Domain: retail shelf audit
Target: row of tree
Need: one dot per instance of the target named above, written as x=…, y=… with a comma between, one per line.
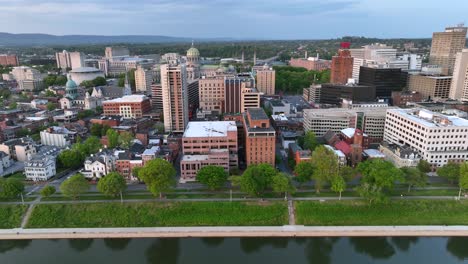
x=291, y=80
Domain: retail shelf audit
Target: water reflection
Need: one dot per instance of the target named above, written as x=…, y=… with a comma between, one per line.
x=80, y=245
x=458, y=247
x=163, y=251
x=319, y=250
x=7, y=245
x=252, y=245
x=212, y=242
x=117, y=244
x=374, y=247
x=404, y=243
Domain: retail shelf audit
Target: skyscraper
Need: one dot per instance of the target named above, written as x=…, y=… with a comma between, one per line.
x=143, y=80
x=446, y=45
x=70, y=60
x=459, y=89
x=175, y=97
x=342, y=65
x=266, y=78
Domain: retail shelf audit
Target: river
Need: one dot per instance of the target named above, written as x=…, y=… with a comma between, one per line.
x=237, y=250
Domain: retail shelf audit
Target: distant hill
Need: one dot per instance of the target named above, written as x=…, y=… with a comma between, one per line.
x=8, y=39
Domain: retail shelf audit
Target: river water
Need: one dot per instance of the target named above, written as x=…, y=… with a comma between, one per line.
x=237, y=250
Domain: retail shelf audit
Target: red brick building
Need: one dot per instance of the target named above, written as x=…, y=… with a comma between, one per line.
x=342, y=65
x=131, y=106
x=311, y=64
x=9, y=60
x=260, y=137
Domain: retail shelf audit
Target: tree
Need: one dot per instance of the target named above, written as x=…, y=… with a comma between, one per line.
x=136, y=172
x=60, y=80
x=281, y=183
x=212, y=176
x=126, y=139
x=326, y=166
x=338, y=184
x=304, y=171
x=257, y=178
x=92, y=145
x=70, y=158
x=99, y=81
x=112, y=184
x=51, y=106
x=451, y=171
x=74, y=186
x=347, y=173
x=13, y=105
x=414, y=177
x=424, y=166
x=85, y=113
x=49, y=93
x=310, y=141
x=377, y=176
x=49, y=80
x=11, y=188
x=96, y=130
x=159, y=176
x=112, y=138
x=48, y=191
x=463, y=181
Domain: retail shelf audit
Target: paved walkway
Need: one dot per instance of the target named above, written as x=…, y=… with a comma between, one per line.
x=291, y=213
x=235, y=231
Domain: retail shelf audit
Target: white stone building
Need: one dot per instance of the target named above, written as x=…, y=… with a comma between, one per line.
x=437, y=138
x=40, y=168
x=57, y=136
x=99, y=165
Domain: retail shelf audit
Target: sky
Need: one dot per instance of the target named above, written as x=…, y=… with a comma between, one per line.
x=240, y=19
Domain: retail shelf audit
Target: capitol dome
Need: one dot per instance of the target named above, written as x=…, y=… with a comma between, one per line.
x=193, y=52
x=71, y=84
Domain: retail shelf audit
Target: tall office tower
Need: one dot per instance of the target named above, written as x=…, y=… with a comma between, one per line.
x=259, y=137
x=459, y=89
x=143, y=80
x=9, y=60
x=446, y=45
x=175, y=97
x=236, y=89
x=193, y=97
x=430, y=86
x=342, y=65
x=156, y=97
x=112, y=52
x=211, y=93
x=266, y=78
x=384, y=80
x=70, y=60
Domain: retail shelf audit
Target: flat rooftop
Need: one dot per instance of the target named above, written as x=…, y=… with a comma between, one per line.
x=209, y=129
x=257, y=114
x=135, y=98
x=431, y=119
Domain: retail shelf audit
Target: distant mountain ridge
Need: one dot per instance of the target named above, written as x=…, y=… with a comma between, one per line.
x=8, y=39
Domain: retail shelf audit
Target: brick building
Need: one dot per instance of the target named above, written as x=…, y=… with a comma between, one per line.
x=310, y=64
x=130, y=106
x=9, y=60
x=342, y=65
x=259, y=137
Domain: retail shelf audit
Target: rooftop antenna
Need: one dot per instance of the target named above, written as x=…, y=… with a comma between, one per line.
x=192, y=42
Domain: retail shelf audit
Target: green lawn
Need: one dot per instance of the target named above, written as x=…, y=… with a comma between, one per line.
x=159, y=214
x=355, y=213
x=11, y=215
x=17, y=175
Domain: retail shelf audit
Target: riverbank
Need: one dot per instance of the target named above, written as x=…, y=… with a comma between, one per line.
x=235, y=231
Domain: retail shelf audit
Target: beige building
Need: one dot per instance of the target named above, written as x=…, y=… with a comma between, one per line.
x=143, y=80
x=446, y=45
x=250, y=98
x=433, y=87
x=175, y=97
x=312, y=93
x=459, y=90
x=112, y=52
x=208, y=143
x=70, y=60
x=266, y=78
x=211, y=93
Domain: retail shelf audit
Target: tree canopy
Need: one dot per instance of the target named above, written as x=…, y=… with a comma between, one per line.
x=212, y=176
x=48, y=191
x=414, y=177
x=450, y=171
x=256, y=179
x=304, y=171
x=310, y=141
x=11, y=188
x=74, y=186
x=159, y=176
x=326, y=166
x=112, y=184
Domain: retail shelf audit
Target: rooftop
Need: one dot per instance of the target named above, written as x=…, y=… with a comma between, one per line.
x=373, y=153
x=209, y=129
x=135, y=98
x=85, y=70
x=431, y=119
x=257, y=114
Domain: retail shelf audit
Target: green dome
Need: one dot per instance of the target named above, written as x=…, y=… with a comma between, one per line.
x=193, y=52
x=71, y=84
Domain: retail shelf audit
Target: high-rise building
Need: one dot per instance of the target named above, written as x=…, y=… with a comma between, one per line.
x=334, y=93
x=143, y=80
x=429, y=86
x=312, y=93
x=384, y=80
x=260, y=137
x=459, y=89
x=342, y=65
x=266, y=79
x=211, y=93
x=436, y=137
x=156, y=97
x=371, y=120
x=234, y=88
x=208, y=143
x=9, y=60
x=175, y=97
x=193, y=96
x=71, y=60
x=112, y=52
x=446, y=45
